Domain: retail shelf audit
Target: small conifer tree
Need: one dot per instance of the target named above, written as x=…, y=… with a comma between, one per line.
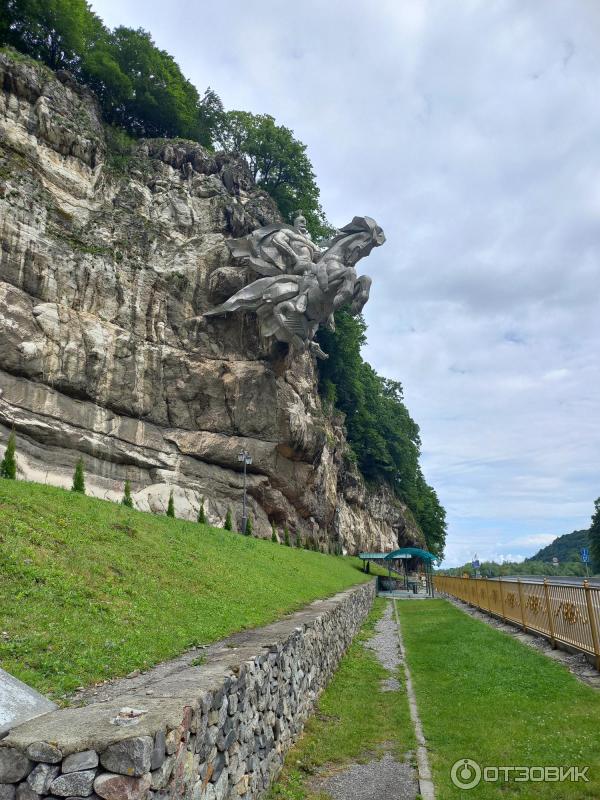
x=249, y=528
x=8, y=466
x=202, y=513
x=274, y=538
x=171, y=506
x=127, y=498
x=79, y=477
x=286, y=538
x=228, y=526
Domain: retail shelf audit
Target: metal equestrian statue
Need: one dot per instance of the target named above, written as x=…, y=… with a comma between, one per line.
x=302, y=285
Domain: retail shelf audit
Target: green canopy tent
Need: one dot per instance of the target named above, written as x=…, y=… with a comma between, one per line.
x=424, y=556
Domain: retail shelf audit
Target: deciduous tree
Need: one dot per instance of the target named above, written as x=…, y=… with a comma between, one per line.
x=278, y=162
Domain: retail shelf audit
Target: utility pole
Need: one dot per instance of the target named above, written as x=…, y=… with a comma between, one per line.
x=246, y=459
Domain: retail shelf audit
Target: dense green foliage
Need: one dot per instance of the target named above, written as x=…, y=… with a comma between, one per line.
x=202, y=513
x=383, y=436
x=127, y=498
x=79, y=477
x=486, y=696
x=278, y=163
x=8, y=465
x=228, y=526
x=249, y=529
x=594, y=535
x=140, y=87
x=91, y=589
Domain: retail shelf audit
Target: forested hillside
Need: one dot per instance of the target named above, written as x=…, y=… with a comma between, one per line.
x=564, y=548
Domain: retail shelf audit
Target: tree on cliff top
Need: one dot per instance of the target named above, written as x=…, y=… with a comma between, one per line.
x=161, y=101
x=278, y=163
x=56, y=32
x=140, y=86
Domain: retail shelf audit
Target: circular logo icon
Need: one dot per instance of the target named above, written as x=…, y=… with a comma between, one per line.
x=465, y=773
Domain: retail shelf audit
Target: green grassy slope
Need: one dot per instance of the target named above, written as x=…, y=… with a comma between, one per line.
x=91, y=590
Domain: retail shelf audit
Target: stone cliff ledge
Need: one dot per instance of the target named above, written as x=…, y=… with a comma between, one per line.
x=108, y=262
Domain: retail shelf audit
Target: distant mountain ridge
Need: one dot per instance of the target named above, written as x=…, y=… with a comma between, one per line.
x=565, y=548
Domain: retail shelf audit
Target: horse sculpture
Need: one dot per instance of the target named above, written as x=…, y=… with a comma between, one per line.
x=302, y=285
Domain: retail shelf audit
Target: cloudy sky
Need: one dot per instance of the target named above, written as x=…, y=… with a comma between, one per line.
x=471, y=132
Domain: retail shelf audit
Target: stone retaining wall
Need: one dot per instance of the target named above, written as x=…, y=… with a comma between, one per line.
x=208, y=732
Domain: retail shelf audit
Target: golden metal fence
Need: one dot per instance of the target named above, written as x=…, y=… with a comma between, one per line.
x=566, y=613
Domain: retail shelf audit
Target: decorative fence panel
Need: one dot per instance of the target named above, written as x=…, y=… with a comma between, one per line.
x=565, y=613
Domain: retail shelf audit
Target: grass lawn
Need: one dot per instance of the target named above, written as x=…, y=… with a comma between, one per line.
x=485, y=696
x=353, y=721
x=91, y=590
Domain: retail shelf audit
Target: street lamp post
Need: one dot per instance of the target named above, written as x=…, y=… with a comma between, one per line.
x=246, y=459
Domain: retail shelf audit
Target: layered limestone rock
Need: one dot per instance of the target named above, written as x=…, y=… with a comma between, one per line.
x=108, y=262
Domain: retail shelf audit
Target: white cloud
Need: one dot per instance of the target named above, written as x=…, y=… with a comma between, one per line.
x=471, y=132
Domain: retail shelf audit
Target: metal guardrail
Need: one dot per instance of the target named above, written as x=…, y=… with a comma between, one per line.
x=564, y=613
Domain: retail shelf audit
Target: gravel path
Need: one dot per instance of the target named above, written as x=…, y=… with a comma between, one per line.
x=377, y=780
x=386, y=778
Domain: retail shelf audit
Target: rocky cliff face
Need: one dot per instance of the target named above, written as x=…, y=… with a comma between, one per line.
x=107, y=264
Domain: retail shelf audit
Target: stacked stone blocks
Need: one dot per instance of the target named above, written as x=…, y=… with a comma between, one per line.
x=212, y=732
